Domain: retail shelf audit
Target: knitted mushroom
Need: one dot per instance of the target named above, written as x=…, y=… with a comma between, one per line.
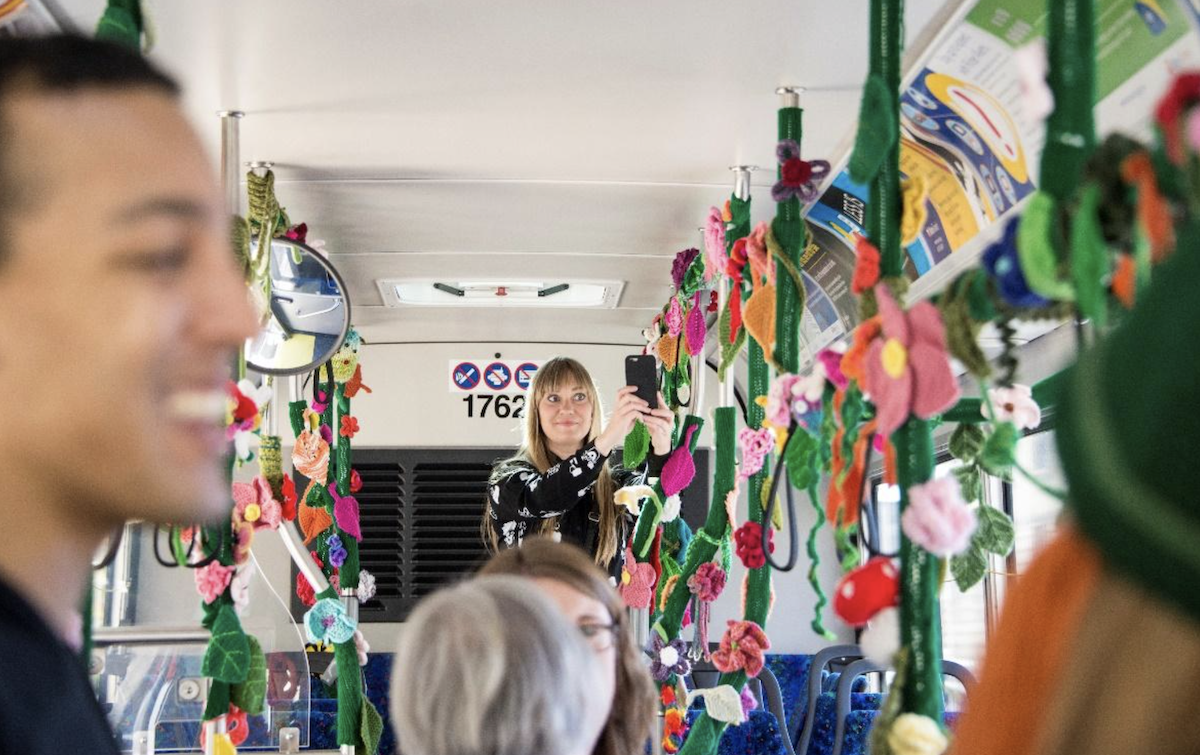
x=867, y=590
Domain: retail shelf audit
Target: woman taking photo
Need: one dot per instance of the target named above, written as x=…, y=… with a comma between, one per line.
x=566, y=575
x=560, y=480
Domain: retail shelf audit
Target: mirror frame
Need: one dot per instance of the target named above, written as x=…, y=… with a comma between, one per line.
x=341, y=339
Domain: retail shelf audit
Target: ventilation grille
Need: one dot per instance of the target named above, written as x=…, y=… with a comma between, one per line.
x=447, y=507
x=382, y=516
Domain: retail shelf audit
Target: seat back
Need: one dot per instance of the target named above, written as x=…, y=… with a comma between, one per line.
x=836, y=653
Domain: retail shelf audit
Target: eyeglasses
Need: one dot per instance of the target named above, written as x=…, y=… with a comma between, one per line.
x=600, y=636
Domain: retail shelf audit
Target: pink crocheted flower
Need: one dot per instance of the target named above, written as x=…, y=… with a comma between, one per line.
x=907, y=368
x=714, y=243
x=755, y=445
x=679, y=266
x=937, y=518
x=831, y=359
x=243, y=537
x=708, y=582
x=637, y=582
x=1015, y=405
x=211, y=580
x=254, y=502
x=674, y=318
x=779, y=400
x=742, y=647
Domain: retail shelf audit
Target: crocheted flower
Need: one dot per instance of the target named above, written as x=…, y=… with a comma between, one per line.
x=714, y=244
x=755, y=445
x=667, y=695
x=708, y=582
x=1002, y=263
x=298, y=233
x=1183, y=95
x=243, y=537
x=668, y=658
x=854, y=361
x=1016, y=405
x=908, y=370
x=799, y=177
x=742, y=647
x=674, y=318
x=366, y=586
x=748, y=542
x=830, y=360
x=311, y=457
x=337, y=552
x=866, y=266
x=321, y=402
x=345, y=364
x=211, y=580
x=361, y=647
x=328, y=621
x=914, y=734
x=679, y=266
x=631, y=497
x=356, y=482
x=326, y=434
x=254, y=503
x=287, y=509
x=637, y=582
x=749, y=701
x=937, y=518
x=778, y=408
x=349, y=427
x=239, y=587
x=674, y=722
x=671, y=508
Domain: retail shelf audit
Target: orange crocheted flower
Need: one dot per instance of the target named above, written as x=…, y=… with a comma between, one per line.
x=673, y=721
x=866, y=269
x=349, y=427
x=1124, y=280
x=742, y=647
x=667, y=695
x=853, y=361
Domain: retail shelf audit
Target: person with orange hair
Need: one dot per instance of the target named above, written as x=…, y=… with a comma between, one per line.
x=1098, y=648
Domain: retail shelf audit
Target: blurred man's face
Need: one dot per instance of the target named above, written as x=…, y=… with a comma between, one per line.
x=121, y=308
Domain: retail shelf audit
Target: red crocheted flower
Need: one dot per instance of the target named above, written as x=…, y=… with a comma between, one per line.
x=742, y=647
x=673, y=721
x=355, y=481
x=866, y=269
x=748, y=540
x=708, y=582
x=288, y=509
x=667, y=695
x=298, y=233
x=1184, y=94
x=796, y=171
x=349, y=427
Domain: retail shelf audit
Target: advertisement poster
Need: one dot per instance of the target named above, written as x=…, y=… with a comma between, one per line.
x=966, y=131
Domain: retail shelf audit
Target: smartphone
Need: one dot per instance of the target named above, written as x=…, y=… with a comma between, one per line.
x=642, y=373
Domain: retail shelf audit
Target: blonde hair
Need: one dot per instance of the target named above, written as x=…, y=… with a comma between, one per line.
x=535, y=451
x=634, y=707
x=501, y=672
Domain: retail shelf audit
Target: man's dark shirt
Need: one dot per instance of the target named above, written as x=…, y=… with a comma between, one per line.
x=47, y=706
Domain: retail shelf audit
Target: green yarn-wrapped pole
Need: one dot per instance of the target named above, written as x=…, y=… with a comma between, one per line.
x=920, y=575
x=788, y=228
x=1071, y=127
x=648, y=520
x=348, y=575
x=707, y=541
x=883, y=206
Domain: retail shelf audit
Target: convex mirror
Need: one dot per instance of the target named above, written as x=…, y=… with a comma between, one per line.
x=306, y=313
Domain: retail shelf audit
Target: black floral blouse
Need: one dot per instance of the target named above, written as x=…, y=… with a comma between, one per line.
x=520, y=501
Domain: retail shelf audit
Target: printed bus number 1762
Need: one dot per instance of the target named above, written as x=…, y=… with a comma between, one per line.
x=502, y=406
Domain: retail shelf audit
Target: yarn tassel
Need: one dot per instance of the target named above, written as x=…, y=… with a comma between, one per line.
x=817, y=625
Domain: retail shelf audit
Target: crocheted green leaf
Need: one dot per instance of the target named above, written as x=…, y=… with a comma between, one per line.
x=999, y=451
x=249, y=695
x=637, y=445
x=1036, y=245
x=969, y=482
x=968, y=568
x=372, y=727
x=966, y=442
x=218, y=700
x=802, y=460
x=874, y=137
x=228, y=656
x=995, y=533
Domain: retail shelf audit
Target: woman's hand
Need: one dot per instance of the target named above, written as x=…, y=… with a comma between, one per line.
x=627, y=410
x=661, y=424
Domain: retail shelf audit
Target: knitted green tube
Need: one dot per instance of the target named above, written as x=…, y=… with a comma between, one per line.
x=883, y=206
x=1071, y=74
x=707, y=541
x=348, y=575
x=788, y=228
x=349, y=694
x=648, y=520
x=920, y=574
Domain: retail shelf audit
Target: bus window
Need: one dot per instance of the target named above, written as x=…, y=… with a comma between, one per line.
x=1035, y=513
